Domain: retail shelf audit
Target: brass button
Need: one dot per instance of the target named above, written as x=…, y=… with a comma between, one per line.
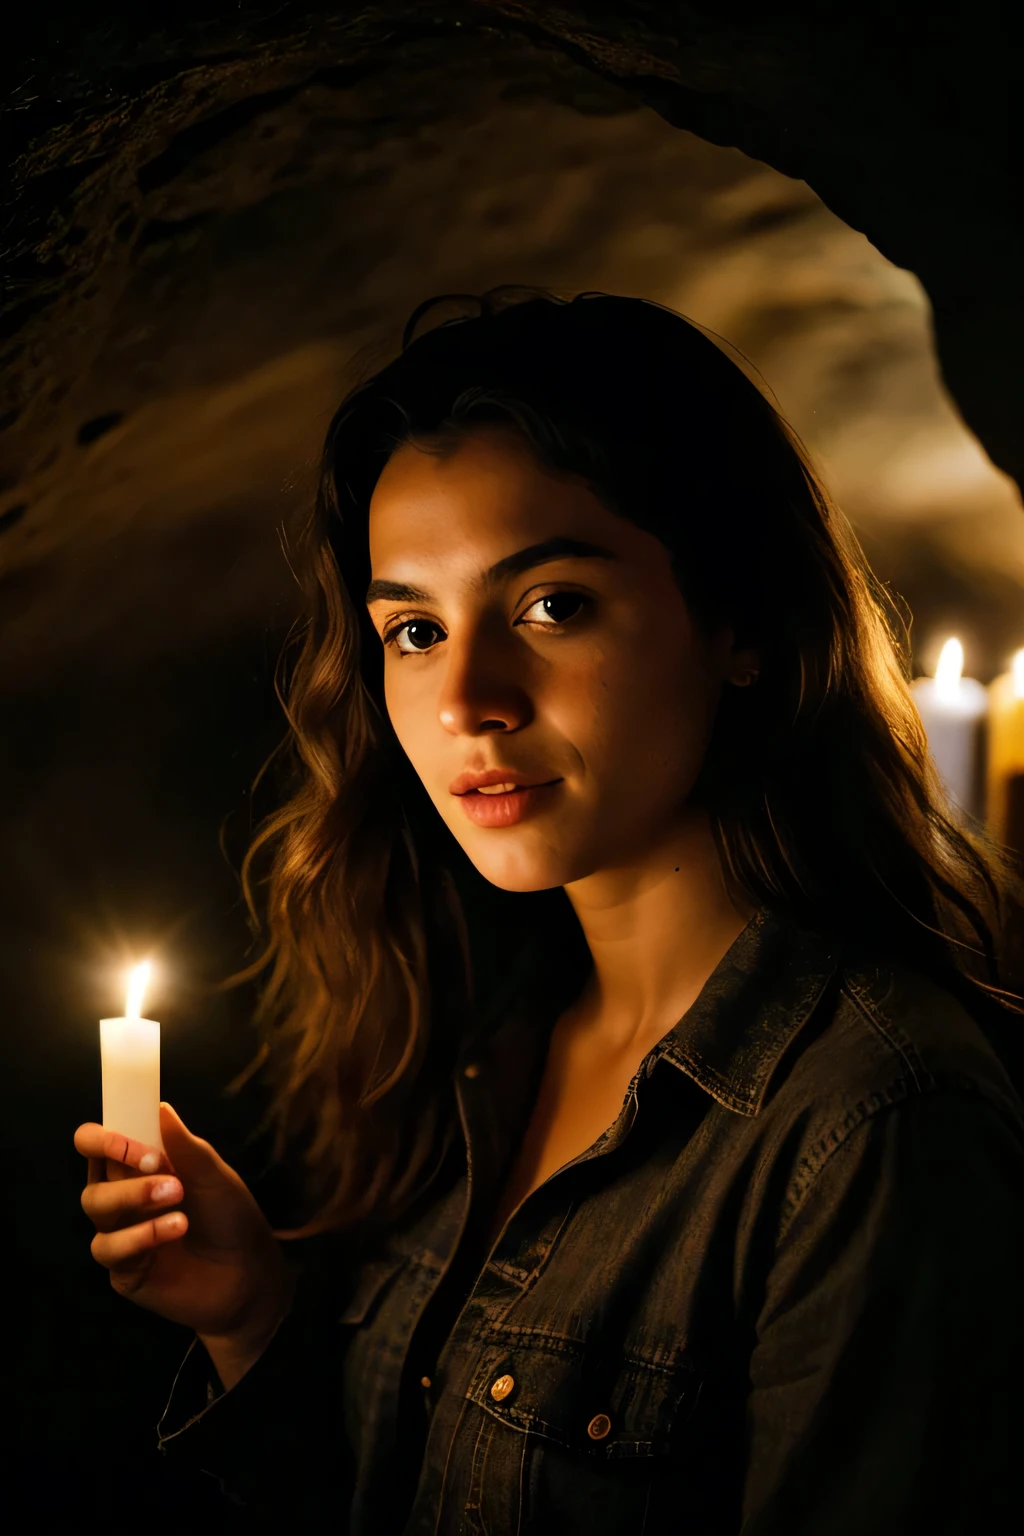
x=599, y=1426
x=473, y=1070
x=424, y=1381
x=502, y=1387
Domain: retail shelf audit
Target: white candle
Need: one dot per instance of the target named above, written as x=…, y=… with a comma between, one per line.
x=952, y=708
x=130, y=1055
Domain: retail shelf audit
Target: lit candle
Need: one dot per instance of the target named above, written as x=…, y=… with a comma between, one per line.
x=130, y=1054
x=1005, y=773
x=952, y=708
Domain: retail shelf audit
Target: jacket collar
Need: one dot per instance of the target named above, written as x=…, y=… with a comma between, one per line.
x=751, y=1007
x=729, y=1041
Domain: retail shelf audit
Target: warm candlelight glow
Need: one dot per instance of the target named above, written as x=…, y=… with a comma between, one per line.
x=949, y=670
x=138, y=979
x=1017, y=673
x=130, y=1062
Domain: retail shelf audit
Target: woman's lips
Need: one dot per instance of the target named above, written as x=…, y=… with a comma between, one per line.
x=506, y=808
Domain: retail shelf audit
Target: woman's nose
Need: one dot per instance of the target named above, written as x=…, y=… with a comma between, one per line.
x=483, y=690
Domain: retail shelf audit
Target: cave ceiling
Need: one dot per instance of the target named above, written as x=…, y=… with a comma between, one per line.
x=213, y=209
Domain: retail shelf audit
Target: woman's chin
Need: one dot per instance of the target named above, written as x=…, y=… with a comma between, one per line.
x=537, y=854
x=515, y=870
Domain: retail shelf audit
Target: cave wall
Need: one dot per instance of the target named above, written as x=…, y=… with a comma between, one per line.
x=211, y=209
x=902, y=123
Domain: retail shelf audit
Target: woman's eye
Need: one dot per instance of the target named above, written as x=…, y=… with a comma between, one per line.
x=417, y=636
x=556, y=608
x=412, y=637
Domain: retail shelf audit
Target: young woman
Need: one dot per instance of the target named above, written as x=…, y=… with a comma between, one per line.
x=636, y=999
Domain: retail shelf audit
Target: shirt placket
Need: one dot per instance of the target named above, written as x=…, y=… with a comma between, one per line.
x=514, y=1259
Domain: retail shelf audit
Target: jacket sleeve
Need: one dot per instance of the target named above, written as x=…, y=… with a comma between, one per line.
x=274, y=1442
x=886, y=1380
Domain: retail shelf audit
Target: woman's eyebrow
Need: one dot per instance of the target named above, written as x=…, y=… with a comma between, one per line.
x=557, y=548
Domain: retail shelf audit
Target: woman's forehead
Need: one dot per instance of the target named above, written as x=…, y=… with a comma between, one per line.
x=481, y=492
x=437, y=549
x=494, y=459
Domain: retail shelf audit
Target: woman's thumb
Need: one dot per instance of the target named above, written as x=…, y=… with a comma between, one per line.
x=190, y=1157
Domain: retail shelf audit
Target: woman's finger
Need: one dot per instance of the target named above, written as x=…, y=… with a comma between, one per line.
x=102, y=1146
x=114, y=1249
x=123, y=1201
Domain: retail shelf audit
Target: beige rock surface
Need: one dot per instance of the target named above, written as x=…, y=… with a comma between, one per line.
x=220, y=334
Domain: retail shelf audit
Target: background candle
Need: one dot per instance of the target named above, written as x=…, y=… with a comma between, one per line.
x=130, y=1057
x=952, y=709
x=1004, y=811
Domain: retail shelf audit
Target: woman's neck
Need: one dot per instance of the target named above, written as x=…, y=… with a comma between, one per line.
x=656, y=930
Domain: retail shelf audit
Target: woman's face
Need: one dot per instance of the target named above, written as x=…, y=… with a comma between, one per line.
x=535, y=640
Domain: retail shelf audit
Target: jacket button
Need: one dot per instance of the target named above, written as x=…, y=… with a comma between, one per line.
x=502, y=1387
x=599, y=1426
x=473, y=1070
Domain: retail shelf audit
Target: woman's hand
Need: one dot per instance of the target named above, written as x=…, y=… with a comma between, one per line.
x=182, y=1236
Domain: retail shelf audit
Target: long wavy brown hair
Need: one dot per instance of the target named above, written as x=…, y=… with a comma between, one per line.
x=379, y=938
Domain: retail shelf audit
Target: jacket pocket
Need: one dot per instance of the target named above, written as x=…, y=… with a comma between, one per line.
x=576, y=1440
x=366, y=1326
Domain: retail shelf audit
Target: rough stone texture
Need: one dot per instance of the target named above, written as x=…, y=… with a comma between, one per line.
x=212, y=206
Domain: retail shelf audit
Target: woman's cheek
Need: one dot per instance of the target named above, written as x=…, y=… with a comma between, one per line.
x=409, y=710
x=611, y=696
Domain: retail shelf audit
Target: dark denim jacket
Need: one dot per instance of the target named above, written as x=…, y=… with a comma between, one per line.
x=782, y=1293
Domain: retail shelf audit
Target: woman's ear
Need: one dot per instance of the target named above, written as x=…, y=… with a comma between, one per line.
x=740, y=664
x=744, y=668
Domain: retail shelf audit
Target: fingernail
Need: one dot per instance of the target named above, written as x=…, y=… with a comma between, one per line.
x=149, y=1162
x=167, y=1189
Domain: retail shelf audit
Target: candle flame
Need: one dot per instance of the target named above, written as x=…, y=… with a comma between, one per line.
x=1017, y=672
x=138, y=978
x=949, y=670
